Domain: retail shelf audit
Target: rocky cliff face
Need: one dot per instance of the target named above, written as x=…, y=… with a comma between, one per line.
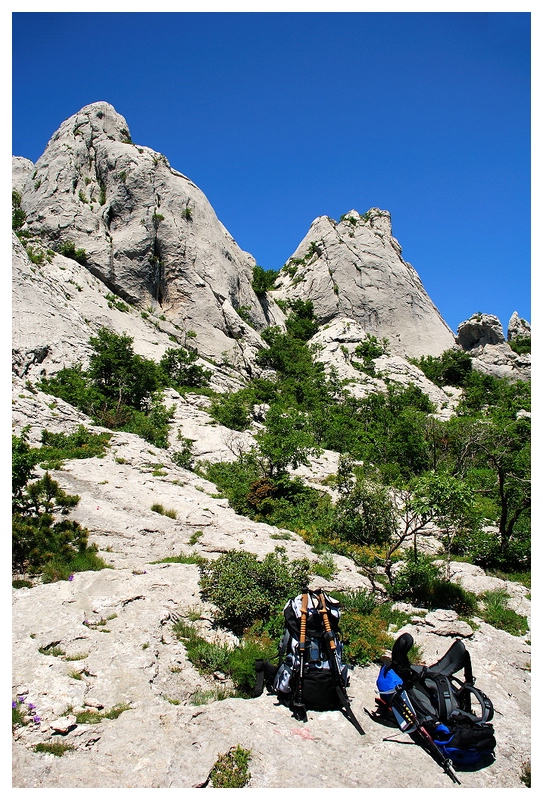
x=148, y=232
x=354, y=268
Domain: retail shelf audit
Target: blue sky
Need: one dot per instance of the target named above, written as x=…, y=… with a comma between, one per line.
x=283, y=117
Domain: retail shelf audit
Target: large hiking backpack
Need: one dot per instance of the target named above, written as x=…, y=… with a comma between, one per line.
x=311, y=676
x=435, y=700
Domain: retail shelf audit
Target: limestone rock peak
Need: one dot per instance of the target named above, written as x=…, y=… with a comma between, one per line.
x=354, y=268
x=147, y=231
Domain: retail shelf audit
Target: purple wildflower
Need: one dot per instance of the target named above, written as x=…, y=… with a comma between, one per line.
x=14, y=703
x=31, y=705
x=36, y=718
x=70, y=578
x=21, y=699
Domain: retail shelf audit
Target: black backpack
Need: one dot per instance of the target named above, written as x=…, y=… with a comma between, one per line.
x=442, y=704
x=311, y=673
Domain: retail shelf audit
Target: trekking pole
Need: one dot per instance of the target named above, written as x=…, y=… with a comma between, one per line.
x=335, y=665
x=406, y=713
x=298, y=707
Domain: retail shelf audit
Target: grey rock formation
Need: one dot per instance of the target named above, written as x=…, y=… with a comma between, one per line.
x=353, y=268
x=335, y=346
x=517, y=327
x=147, y=230
x=478, y=331
x=482, y=337
x=22, y=170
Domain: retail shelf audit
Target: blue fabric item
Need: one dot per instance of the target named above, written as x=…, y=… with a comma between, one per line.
x=388, y=681
x=463, y=756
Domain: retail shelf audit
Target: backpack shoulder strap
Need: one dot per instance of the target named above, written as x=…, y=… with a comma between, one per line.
x=265, y=673
x=446, y=702
x=464, y=703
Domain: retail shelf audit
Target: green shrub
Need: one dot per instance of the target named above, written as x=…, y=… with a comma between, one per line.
x=233, y=410
x=184, y=457
x=365, y=636
x=360, y=600
x=263, y=280
x=69, y=250
x=230, y=770
x=151, y=425
x=366, y=514
x=414, y=580
x=497, y=613
x=521, y=345
x=53, y=748
x=58, y=447
x=445, y=594
x=370, y=349
x=234, y=480
x=35, y=254
x=115, y=302
x=419, y=581
x=325, y=567
x=451, y=368
x=41, y=544
x=244, y=589
x=180, y=369
x=18, y=216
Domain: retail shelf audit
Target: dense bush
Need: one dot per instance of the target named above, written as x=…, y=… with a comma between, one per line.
x=451, y=368
x=365, y=637
x=366, y=514
x=245, y=589
x=233, y=410
x=420, y=581
x=521, y=345
x=69, y=250
x=40, y=542
x=263, y=280
x=121, y=389
x=181, y=371
x=18, y=216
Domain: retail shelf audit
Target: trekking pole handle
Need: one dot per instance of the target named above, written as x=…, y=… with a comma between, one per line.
x=303, y=622
x=326, y=622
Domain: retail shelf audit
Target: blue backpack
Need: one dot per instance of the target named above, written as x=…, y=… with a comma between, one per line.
x=434, y=706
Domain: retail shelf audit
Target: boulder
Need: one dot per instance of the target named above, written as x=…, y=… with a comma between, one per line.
x=478, y=331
